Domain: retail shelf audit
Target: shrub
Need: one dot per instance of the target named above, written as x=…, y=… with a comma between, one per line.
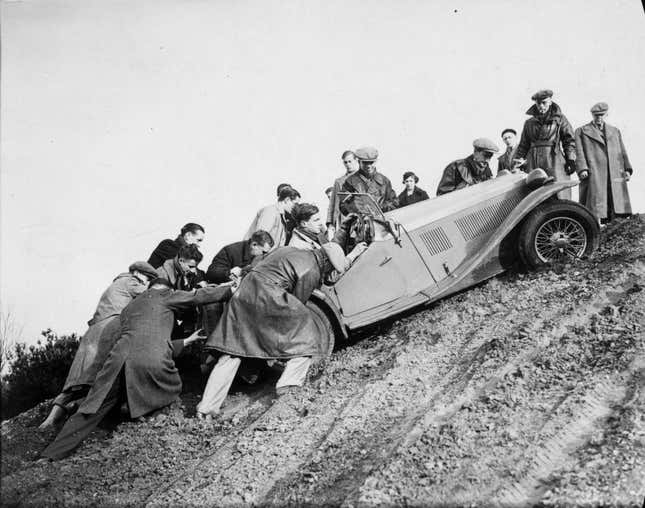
x=36, y=373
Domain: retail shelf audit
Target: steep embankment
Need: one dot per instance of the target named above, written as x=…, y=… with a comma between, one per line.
x=528, y=388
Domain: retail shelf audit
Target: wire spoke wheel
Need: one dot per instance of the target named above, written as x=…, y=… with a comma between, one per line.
x=560, y=238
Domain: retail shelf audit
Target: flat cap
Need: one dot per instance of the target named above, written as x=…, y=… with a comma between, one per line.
x=367, y=153
x=541, y=95
x=508, y=129
x=486, y=145
x=144, y=268
x=601, y=107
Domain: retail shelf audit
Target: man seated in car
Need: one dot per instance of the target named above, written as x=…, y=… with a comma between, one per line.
x=368, y=180
x=470, y=170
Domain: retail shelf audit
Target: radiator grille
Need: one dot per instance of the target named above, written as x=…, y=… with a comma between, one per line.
x=435, y=240
x=486, y=219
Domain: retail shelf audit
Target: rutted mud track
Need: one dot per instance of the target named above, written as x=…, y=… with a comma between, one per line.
x=528, y=389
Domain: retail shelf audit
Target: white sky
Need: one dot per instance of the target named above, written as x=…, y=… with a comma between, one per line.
x=123, y=120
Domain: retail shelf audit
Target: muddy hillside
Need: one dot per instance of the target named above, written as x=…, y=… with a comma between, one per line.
x=528, y=389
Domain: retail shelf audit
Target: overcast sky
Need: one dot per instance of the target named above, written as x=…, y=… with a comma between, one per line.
x=123, y=120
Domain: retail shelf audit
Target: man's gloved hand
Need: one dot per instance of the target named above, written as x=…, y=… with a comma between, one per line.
x=570, y=166
x=583, y=175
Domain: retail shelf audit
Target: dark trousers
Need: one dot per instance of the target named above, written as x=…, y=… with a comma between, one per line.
x=79, y=426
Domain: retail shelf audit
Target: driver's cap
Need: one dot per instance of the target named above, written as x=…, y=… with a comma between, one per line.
x=367, y=153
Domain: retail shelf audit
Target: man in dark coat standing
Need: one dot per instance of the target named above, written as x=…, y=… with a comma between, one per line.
x=548, y=141
x=190, y=234
x=368, y=180
x=140, y=367
x=469, y=171
x=231, y=260
x=603, y=167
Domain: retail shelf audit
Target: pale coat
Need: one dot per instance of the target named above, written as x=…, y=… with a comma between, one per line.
x=99, y=337
x=272, y=221
x=333, y=212
x=604, y=158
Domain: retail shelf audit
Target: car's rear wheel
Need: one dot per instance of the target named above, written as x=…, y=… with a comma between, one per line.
x=556, y=231
x=328, y=338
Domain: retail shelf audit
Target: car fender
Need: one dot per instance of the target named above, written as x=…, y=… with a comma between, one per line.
x=329, y=308
x=525, y=206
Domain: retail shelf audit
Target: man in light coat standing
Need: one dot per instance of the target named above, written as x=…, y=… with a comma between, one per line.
x=273, y=219
x=603, y=167
x=333, y=212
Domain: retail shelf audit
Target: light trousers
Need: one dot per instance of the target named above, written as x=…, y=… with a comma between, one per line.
x=222, y=375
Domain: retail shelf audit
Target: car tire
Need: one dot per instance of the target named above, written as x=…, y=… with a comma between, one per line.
x=327, y=348
x=556, y=230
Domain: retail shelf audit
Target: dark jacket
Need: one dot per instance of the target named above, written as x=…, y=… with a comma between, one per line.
x=462, y=173
x=378, y=186
x=167, y=249
x=267, y=316
x=545, y=143
x=145, y=352
x=416, y=196
x=505, y=161
x=602, y=153
x=235, y=254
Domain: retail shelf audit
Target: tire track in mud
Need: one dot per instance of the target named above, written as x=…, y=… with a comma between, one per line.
x=554, y=452
x=597, y=405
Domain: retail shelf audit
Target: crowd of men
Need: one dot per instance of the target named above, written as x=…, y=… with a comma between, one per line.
x=252, y=297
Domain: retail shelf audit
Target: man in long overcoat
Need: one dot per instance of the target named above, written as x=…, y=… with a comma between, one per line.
x=140, y=367
x=548, y=141
x=268, y=319
x=100, y=337
x=603, y=167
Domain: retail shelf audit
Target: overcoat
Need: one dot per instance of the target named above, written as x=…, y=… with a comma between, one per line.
x=272, y=221
x=378, y=186
x=267, y=316
x=416, y=196
x=604, y=156
x=99, y=337
x=145, y=352
x=462, y=173
x=545, y=142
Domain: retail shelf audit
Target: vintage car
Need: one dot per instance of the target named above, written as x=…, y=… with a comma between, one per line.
x=432, y=249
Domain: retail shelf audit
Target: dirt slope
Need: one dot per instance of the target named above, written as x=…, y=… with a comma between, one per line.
x=529, y=389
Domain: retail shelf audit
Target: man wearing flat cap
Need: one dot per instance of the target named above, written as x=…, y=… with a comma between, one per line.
x=470, y=170
x=505, y=161
x=368, y=180
x=603, y=167
x=548, y=141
